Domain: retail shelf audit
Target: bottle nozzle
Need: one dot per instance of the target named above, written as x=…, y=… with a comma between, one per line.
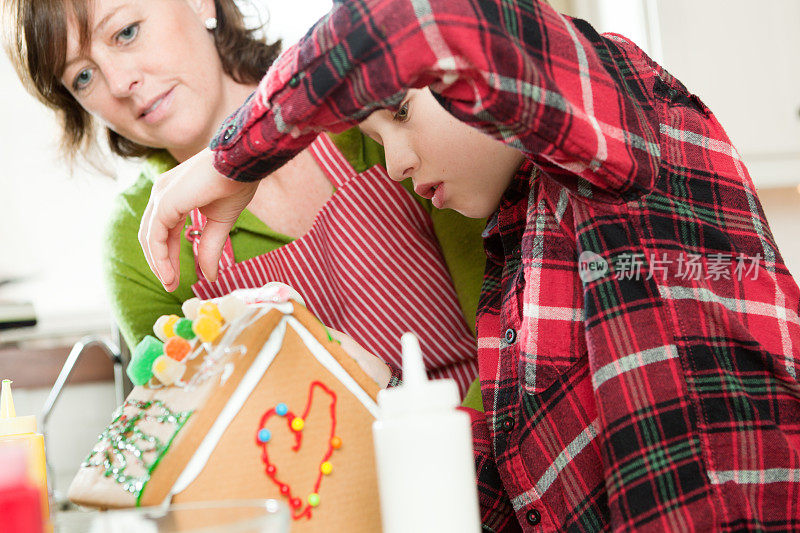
x=10, y=423
x=417, y=393
x=413, y=367
x=7, y=401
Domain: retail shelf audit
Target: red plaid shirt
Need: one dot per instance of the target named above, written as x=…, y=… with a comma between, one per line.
x=638, y=330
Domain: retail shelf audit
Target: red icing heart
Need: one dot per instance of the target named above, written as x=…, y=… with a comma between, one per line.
x=295, y=503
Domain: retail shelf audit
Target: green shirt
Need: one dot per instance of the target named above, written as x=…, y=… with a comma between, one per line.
x=138, y=298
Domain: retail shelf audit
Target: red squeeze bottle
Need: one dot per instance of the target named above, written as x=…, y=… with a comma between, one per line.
x=20, y=500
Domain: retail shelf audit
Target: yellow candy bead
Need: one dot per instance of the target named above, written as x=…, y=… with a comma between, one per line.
x=209, y=309
x=169, y=326
x=297, y=424
x=207, y=328
x=326, y=468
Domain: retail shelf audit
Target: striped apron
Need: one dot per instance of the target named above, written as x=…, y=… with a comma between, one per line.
x=370, y=266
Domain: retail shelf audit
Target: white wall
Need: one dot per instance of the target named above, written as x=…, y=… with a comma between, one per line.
x=50, y=222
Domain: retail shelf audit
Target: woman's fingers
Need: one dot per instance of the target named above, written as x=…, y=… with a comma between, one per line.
x=143, y=225
x=165, y=223
x=173, y=251
x=210, y=250
x=371, y=364
x=192, y=184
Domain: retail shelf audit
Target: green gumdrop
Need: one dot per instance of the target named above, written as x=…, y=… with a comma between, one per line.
x=140, y=369
x=183, y=328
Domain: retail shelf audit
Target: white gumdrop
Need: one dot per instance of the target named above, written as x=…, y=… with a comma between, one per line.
x=167, y=370
x=158, y=327
x=231, y=307
x=190, y=307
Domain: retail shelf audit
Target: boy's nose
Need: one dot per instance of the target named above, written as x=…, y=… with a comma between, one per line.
x=402, y=164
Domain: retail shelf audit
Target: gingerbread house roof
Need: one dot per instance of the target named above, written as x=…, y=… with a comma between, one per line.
x=273, y=408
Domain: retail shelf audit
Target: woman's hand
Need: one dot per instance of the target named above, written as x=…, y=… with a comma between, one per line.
x=192, y=184
x=371, y=364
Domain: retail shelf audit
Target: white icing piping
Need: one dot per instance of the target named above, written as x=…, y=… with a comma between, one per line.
x=236, y=401
x=333, y=366
x=208, y=368
x=248, y=384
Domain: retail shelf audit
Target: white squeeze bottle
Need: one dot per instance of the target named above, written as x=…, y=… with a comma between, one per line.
x=423, y=450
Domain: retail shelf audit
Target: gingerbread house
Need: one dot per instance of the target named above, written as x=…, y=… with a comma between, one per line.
x=266, y=406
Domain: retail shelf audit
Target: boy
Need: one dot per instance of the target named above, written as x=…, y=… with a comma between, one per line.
x=638, y=331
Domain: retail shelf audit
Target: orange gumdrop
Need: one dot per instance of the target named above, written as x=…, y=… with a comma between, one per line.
x=177, y=348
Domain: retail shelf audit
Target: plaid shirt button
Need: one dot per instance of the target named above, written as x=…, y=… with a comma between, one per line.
x=511, y=336
x=507, y=424
x=533, y=517
x=229, y=133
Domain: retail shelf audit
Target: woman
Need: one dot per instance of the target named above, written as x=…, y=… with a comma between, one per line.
x=161, y=76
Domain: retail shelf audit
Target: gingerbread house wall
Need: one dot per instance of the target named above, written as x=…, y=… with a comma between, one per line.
x=235, y=470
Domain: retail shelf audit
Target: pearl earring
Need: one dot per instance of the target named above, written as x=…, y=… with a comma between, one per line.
x=211, y=23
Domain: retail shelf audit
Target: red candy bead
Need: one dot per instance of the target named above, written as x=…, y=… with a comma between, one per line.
x=271, y=470
x=284, y=489
x=177, y=348
x=296, y=502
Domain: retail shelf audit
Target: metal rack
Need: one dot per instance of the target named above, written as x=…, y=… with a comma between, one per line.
x=119, y=354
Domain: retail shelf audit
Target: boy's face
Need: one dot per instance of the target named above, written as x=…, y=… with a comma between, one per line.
x=456, y=166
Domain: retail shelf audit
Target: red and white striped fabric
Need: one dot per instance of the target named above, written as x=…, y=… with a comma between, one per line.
x=193, y=233
x=370, y=267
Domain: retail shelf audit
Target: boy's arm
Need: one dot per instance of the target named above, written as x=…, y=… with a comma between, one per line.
x=517, y=70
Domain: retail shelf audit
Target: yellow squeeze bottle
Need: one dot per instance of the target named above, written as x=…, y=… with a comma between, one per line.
x=21, y=431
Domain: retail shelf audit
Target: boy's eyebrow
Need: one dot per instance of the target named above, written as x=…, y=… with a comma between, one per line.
x=99, y=26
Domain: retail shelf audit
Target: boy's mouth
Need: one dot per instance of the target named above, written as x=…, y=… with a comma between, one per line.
x=426, y=190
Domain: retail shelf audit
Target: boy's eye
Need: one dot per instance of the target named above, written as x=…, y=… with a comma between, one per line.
x=128, y=33
x=401, y=115
x=82, y=80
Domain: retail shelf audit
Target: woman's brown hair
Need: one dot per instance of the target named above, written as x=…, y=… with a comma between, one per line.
x=37, y=44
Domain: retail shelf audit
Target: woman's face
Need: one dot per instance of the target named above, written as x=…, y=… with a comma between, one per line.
x=152, y=72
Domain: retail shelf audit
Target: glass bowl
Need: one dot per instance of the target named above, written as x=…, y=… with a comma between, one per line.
x=233, y=516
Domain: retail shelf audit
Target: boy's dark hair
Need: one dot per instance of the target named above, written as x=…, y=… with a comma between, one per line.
x=37, y=42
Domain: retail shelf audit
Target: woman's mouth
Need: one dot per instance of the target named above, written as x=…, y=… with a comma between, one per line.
x=158, y=109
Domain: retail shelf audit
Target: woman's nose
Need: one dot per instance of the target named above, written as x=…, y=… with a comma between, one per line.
x=122, y=79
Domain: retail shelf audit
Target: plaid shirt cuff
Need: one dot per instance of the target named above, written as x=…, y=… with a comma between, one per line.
x=397, y=376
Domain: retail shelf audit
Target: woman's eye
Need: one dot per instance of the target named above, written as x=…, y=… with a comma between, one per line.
x=82, y=80
x=128, y=33
x=401, y=115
